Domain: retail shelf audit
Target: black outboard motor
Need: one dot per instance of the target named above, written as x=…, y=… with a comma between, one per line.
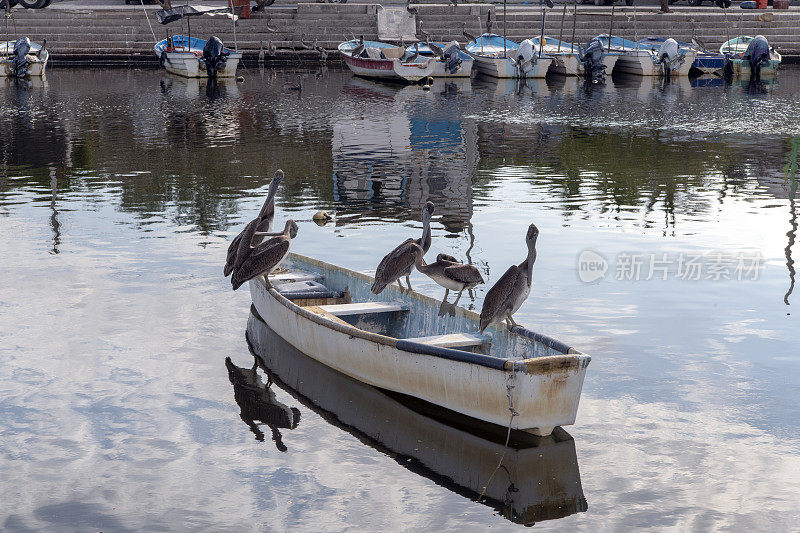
x=592, y=59
x=214, y=55
x=451, y=58
x=757, y=54
x=20, y=62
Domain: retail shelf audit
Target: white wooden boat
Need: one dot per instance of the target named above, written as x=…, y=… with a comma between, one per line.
x=36, y=59
x=386, y=61
x=641, y=60
x=567, y=57
x=183, y=56
x=541, y=479
x=502, y=58
x=396, y=341
x=735, y=50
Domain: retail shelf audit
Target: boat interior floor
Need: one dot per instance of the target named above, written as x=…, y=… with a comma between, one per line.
x=391, y=319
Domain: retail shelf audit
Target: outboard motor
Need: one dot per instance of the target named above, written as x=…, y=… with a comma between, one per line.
x=452, y=59
x=214, y=55
x=20, y=60
x=669, y=57
x=757, y=54
x=526, y=57
x=592, y=59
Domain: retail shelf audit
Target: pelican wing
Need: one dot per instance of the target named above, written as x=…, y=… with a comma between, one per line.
x=230, y=259
x=395, y=265
x=463, y=273
x=245, y=243
x=498, y=299
x=262, y=260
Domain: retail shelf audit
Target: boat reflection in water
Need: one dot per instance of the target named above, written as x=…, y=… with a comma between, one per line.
x=539, y=477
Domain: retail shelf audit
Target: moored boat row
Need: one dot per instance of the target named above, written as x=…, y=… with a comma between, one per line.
x=499, y=57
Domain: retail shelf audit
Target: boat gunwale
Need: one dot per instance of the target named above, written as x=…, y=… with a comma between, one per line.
x=534, y=365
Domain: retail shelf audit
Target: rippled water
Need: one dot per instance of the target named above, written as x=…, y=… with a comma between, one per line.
x=120, y=190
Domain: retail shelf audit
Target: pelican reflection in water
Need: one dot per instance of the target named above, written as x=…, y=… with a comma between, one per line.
x=538, y=479
x=258, y=403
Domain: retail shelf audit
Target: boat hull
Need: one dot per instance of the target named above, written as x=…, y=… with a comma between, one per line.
x=463, y=71
x=546, y=389
x=571, y=65
x=35, y=68
x=503, y=67
x=36, y=65
x=637, y=63
x=392, y=69
x=709, y=63
x=741, y=68
x=188, y=65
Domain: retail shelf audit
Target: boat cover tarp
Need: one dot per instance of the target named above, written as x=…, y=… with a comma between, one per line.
x=489, y=44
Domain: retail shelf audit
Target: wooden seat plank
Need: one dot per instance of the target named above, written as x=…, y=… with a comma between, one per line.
x=454, y=340
x=293, y=277
x=363, y=308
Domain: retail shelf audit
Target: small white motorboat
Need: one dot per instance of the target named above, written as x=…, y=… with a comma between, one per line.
x=185, y=56
x=501, y=58
x=374, y=59
x=22, y=58
x=641, y=60
x=397, y=342
x=736, y=50
x=190, y=57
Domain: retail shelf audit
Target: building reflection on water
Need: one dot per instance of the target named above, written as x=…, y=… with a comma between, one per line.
x=539, y=477
x=403, y=147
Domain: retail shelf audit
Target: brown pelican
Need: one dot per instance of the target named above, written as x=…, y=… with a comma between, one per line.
x=468, y=35
x=400, y=261
x=240, y=246
x=265, y=257
x=450, y=274
x=511, y=290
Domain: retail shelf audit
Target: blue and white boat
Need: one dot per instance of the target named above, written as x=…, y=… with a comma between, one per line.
x=704, y=61
x=642, y=60
x=567, y=57
x=184, y=56
x=501, y=58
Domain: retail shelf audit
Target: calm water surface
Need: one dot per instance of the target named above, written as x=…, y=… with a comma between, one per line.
x=120, y=190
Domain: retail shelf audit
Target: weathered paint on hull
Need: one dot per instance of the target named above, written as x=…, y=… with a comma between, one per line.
x=742, y=68
x=389, y=68
x=544, y=471
x=188, y=65
x=545, y=395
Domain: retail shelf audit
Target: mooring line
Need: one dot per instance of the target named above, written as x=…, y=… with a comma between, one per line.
x=509, y=393
x=148, y=22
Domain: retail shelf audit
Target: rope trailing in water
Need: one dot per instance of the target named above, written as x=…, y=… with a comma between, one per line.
x=148, y=22
x=509, y=395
